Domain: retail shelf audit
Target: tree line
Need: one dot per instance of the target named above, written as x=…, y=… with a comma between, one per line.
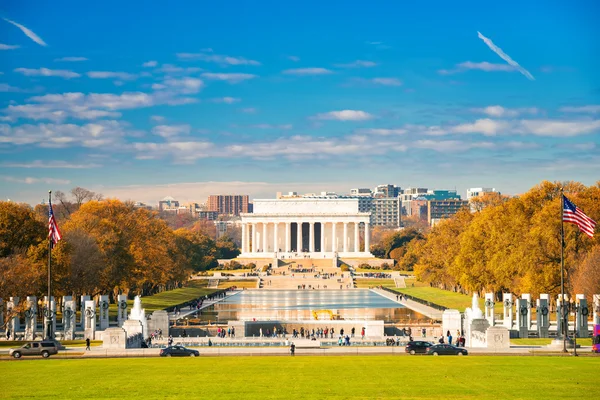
x=108, y=246
x=510, y=245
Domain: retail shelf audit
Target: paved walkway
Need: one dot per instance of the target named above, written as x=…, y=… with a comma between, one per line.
x=207, y=303
x=413, y=305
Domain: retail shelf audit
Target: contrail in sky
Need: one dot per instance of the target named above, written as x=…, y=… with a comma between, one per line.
x=28, y=32
x=505, y=56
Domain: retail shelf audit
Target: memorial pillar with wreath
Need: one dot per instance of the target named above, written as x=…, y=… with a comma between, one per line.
x=542, y=313
x=507, y=301
x=50, y=314
x=527, y=296
x=68, y=318
x=89, y=315
x=562, y=315
x=1, y=312
x=121, y=309
x=489, y=308
x=84, y=298
x=103, y=306
x=596, y=299
x=522, y=322
x=13, y=323
x=581, y=317
x=30, y=318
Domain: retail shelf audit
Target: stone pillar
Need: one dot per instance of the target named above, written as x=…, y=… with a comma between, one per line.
x=311, y=237
x=68, y=319
x=345, y=237
x=288, y=229
x=489, y=308
x=89, y=321
x=121, y=309
x=334, y=237
x=244, y=249
x=84, y=298
x=254, y=247
x=299, y=237
x=367, y=238
x=322, y=237
x=49, y=315
x=581, y=317
x=596, y=299
x=30, y=318
x=527, y=296
x=1, y=312
x=356, y=237
x=522, y=320
x=264, y=237
x=507, y=300
x=14, y=323
x=542, y=315
x=560, y=315
x=103, y=306
x=275, y=237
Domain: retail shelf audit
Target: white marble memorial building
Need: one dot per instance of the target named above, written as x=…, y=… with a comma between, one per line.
x=318, y=228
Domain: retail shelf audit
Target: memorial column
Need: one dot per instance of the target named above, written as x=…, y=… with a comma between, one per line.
x=367, y=237
x=333, y=237
x=299, y=237
x=264, y=238
x=311, y=237
x=356, y=238
x=288, y=228
x=322, y=237
x=345, y=247
x=275, y=238
x=254, y=246
x=244, y=249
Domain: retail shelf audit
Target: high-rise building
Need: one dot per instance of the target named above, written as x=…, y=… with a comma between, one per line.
x=475, y=192
x=168, y=204
x=228, y=204
x=361, y=192
x=387, y=191
x=385, y=211
x=442, y=209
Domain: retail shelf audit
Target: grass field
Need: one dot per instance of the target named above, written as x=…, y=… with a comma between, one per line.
x=160, y=301
x=251, y=284
x=304, y=377
x=69, y=343
x=363, y=283
x=545, y=342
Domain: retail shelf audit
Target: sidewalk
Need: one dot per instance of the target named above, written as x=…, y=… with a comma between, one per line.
x=205, y=304
x=413, y=305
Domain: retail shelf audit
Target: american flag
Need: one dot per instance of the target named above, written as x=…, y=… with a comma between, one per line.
x=53, y=231
x=574, y=215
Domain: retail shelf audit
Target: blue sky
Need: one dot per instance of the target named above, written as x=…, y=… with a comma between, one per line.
x=140, y=100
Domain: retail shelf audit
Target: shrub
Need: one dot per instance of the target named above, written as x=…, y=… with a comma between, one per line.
x=251, y=266
x=365, y=266
x=264, y=268
x=345, y=267
x=385, y=266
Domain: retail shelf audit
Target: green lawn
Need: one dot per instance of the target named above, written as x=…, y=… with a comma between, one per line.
x=304, y=377
x=251, y=284
x=69, y=343
x=545, y=342
x=160, y=301
x=441, y=297
x=363, y=283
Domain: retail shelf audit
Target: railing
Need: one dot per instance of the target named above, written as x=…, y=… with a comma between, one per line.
x=416, y=299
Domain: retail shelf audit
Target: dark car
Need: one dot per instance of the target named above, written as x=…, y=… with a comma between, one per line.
x=417, y=347
x=44, y=349
x=178, y=351
x=446, y=350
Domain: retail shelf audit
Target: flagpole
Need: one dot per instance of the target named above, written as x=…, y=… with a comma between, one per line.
x=49, y=316
x=562, y=268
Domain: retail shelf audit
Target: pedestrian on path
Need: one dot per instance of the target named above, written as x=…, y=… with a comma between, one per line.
x=87, y=344
x=292, y=349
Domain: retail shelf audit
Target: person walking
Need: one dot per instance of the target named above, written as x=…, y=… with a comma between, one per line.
x=87, y=344
x=362, y=332
x=292, y=349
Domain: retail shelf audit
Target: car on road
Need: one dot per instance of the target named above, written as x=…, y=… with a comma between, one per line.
x=178, y=351
x=446, y=350
x=44, y=349
x=417, y=347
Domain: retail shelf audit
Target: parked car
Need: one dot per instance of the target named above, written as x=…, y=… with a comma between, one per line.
x=446, y=350
x=417, y=347
x=178, y=351
x=44, y=349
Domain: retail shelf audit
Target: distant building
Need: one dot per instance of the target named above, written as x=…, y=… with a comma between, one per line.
x=139, y=204
x=168, y=204
x=475, y=192
x=417, y=208
x=387, y=191
x=228, y=204
x=361, y=192
x=208, y=215
x=385, y=211
x=442, y=209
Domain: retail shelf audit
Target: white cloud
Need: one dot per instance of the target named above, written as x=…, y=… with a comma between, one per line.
x=293, y=58
x=228, y=77
x=383, y=132
x=345, y=115
x=307, y=71
x=180, y=151
x=150, y=64
x=39, y=164
x=387, y=81
x=28, y=32
x=226, y=100
x=93, y=135
x=184, y=85
x=481, y=66
x=29, y=180
x=558, y=128
x=505, y=56
x=8, y=46
x=169, y=131
x=6, y=88
x=358, y=64
x=157, y=118
x=499, y=111
x=486, y=126
x=216, y=58
x=47, y=72
x=111, y=75
x=174, y=69
x=591, y=109
x=70, y=59
x=452, y=146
